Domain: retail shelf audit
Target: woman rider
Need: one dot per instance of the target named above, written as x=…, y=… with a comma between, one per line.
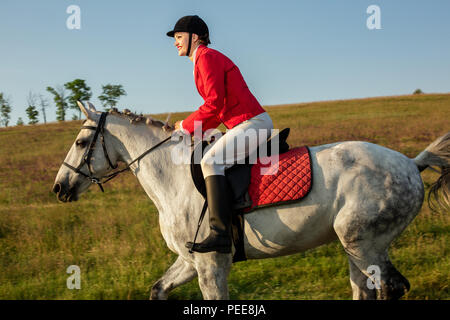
x=229, y=101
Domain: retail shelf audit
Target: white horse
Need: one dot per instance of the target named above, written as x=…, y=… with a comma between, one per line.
x=363, y=194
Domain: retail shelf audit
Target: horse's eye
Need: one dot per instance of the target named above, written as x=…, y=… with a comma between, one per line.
x=80, y=143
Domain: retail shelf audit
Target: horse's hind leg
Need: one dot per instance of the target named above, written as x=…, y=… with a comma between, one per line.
x=367, y=251
x=395, y=285
x=385, y=279
x=179, y=273
x=358, y=281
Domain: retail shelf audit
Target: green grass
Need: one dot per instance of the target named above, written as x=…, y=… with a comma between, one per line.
x=115, y=239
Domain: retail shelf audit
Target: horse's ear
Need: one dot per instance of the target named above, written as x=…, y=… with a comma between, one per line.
x=91, y=106
x=87, y=111
x=167, y=126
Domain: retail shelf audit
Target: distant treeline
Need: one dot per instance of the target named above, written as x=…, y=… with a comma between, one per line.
x=64, y=97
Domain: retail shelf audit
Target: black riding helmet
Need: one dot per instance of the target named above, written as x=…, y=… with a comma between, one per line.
x=191, y=24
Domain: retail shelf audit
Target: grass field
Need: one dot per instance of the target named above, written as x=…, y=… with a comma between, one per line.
x=115, y=240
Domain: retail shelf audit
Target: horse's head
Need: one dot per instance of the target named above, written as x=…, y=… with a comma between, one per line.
x=87, y=159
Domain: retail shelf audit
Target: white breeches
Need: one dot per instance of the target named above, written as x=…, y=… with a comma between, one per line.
x=238, y=143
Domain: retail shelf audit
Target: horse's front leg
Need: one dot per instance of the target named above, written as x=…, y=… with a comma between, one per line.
x=213, y=269
x=179, y=273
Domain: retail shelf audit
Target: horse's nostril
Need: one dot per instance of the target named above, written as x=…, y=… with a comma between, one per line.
x=57, y=188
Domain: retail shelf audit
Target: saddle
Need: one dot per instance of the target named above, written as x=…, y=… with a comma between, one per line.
x=290, y=180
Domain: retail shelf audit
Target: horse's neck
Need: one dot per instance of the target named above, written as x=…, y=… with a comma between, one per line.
x=162, y=179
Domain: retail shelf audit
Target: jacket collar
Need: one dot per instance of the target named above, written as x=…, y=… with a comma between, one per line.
x=199, y=51
x=195, y=54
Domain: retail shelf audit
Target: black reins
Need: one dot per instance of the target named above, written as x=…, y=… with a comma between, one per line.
x=99, y=130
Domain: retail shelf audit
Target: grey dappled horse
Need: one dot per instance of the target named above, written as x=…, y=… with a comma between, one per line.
x=363, y=194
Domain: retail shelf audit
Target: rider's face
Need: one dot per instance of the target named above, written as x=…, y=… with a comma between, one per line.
x=182, y=42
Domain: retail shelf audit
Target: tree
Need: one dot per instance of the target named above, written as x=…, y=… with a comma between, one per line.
x=60, y=101
x=19, y=121
x=111, y=94
x=5, y=110
x=418, y=91
x=43, y=103
x=79, y=92
x=32, y=115
x=31, y=110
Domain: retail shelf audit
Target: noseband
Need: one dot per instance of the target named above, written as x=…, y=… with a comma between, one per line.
x=86, y=160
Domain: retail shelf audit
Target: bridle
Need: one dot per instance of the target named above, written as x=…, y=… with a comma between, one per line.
x=86, y=160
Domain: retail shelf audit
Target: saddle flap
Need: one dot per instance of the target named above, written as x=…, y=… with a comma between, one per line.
x=238, y=177
x=196, y=169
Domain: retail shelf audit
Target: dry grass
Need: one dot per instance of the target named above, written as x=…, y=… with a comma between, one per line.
x=115, y=239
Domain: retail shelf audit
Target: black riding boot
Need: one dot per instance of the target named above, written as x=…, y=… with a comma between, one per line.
x=220, y=210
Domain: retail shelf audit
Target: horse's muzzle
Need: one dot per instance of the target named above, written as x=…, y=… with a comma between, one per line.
x=57, y=188
x=63, y=195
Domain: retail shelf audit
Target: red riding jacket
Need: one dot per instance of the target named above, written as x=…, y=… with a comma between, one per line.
x=227, y=97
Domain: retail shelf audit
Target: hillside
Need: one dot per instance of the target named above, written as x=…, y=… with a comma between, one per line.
x=115, y=239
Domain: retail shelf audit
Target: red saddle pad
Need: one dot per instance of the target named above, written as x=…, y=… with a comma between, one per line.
x=288, y=179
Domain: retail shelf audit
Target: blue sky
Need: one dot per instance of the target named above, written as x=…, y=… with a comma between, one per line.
x=288, y=51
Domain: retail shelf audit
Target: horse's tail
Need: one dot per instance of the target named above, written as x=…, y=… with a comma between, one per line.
x=437, y=154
